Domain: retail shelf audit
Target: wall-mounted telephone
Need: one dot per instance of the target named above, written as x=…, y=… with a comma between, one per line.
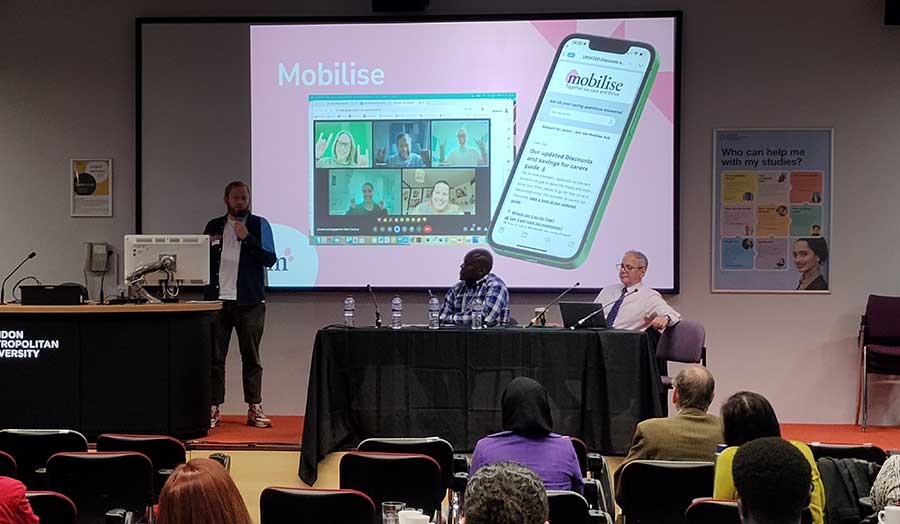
x=96, y=257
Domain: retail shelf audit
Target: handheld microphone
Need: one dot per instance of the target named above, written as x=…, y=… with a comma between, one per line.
x=13, y=272
x=374, y=301
x=602, y=308
x=548, y=306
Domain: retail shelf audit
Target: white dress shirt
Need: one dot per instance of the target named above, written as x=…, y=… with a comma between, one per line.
x=638, y=308
x=228, y=265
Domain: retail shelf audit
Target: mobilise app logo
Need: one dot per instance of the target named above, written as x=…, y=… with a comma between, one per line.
x=341, y=74
x=606, y=82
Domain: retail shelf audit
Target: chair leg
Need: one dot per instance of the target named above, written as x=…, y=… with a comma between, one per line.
x=865, y=392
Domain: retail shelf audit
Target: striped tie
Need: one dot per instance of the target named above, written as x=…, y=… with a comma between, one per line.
x=614, y=310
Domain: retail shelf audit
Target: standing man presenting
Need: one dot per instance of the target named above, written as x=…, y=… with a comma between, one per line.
x=241, y=248
x=630, y=304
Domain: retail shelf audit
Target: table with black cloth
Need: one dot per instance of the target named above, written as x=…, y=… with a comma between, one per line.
x=416, y=382
x=125, y=368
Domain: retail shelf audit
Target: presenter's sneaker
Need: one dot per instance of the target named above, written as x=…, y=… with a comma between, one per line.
x=215, y=417
x=256, y=417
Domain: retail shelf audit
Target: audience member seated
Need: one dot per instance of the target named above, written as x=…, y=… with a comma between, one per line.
x=886, y=488
x=505, y=493
x=748, y=416
x=201, y=492
x=527, y=438
x=773, y=480
x=692, y=434
x=14, y=507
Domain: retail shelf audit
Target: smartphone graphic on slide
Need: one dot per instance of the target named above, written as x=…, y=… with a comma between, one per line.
x=578, y=136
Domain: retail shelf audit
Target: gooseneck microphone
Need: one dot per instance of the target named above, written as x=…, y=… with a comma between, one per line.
x=548, y=306
x=602, y=308
x=374, y=301
x=13, y=272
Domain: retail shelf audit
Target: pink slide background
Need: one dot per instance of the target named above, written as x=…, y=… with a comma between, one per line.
x=453, y=57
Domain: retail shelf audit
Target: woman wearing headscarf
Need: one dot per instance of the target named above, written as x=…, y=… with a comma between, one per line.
x=527, y=438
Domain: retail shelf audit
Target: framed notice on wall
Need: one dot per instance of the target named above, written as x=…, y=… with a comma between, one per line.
x=772, y=210
x=90, y=187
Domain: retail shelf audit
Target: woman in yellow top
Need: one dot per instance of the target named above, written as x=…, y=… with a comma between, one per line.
x=747, y=416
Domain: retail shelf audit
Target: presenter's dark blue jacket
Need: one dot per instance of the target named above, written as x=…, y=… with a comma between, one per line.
x=257, y=254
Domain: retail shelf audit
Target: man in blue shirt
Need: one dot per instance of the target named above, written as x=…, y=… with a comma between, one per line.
x=476, y=282
x=405, y=157
x=241, y=248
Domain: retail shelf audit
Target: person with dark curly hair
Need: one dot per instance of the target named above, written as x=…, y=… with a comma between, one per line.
x=747, y=416
x=773, y=481
x=505, y=493
x=809, y=255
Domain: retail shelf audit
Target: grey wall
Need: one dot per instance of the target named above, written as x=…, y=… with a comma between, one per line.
x=66, y=89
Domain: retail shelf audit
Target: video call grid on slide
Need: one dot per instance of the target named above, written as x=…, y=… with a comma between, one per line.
x=481, y=126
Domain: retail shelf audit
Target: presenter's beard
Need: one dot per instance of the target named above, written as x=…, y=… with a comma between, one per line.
x=239, y=213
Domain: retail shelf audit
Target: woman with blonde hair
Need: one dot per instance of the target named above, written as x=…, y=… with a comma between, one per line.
x=201, y=492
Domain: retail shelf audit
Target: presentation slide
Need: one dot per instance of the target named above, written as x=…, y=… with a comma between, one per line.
x=381, y=153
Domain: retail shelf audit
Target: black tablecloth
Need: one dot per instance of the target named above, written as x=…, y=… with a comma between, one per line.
x=415, y=382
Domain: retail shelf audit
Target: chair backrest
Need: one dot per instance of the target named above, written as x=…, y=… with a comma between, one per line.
x=410, y=478
x=279, y=505
x=867, y=452
x=52, y=507
x=881, y=320
x=98, y=482
x=581, y=452
x=435, y=447
x=712, y=511
x=165, y=453
x=7, y=465
x=683, y=342
x=567, y=507
x=32, y=447
x=661, y=490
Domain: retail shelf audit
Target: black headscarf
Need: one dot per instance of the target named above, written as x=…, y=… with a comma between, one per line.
x=526, y=408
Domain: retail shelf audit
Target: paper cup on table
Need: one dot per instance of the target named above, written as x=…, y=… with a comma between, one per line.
x=540, y=316
x=418, y=519
x=890, y=515
x=408, y=514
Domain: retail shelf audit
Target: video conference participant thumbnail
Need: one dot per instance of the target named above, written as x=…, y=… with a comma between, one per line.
x=399, y=144
x=439, y=191
x=342, y=144
x=364, y=192
x=461, y=143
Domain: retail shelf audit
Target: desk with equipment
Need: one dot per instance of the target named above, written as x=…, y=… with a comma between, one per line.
x=129, y=368
x=415, y=382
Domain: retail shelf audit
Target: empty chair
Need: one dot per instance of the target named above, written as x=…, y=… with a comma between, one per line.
x=867, y=452
x=437, y=448
x=660, y=491
x=7, y=465
x=315, y=506
x=683, y=342
x=410, y=478
x=597, y=490
x=711, y=511
x=32, y=447
x=568, y=507
x=879, y=336
x=52, y=507
x=165, y=453
x=99, y=482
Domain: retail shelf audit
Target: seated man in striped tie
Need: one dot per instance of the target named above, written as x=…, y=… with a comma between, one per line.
x=631, y=304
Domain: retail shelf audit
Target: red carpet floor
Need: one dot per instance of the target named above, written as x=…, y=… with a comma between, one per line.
x=286, y=432
x=885, y=437
x=234, y=432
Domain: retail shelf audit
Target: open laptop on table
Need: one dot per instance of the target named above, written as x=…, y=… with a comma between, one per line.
x=572, y=312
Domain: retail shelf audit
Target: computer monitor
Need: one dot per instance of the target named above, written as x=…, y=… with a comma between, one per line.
x=190, y=254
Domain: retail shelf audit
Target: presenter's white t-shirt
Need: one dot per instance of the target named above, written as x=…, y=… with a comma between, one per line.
x=228, y=265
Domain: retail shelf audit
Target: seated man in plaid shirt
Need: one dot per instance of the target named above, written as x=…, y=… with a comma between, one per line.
x=476, y=282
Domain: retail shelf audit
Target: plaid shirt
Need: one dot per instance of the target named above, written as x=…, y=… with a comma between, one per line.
x=458, y=302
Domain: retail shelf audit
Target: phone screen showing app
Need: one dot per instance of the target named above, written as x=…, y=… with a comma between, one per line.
x=572, y=149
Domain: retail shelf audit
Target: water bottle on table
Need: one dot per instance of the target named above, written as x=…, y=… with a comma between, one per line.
x=396, y=312
x=434, y=311
x=478, y=314
x=349, y=311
